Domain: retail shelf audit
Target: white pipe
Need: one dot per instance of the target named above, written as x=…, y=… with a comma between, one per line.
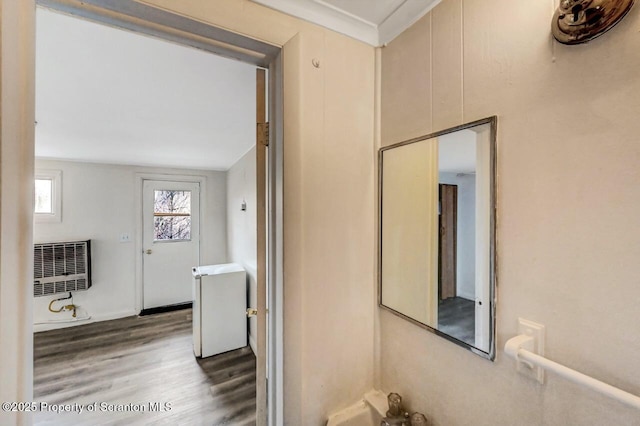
x=569, y=374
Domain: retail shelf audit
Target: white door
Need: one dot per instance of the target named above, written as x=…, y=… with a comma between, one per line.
x=171, y=241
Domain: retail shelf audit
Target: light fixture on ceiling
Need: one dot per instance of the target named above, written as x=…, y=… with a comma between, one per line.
x=578, y=21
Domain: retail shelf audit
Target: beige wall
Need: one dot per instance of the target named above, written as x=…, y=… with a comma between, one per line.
x=17, y=113
x=328, y=204
x=568, y=191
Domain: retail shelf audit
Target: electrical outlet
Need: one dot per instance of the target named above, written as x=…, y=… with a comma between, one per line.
x=125, y=238
x=536, y=331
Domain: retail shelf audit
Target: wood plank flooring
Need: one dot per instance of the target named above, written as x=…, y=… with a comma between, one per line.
x=457, y=318
x=137, y=361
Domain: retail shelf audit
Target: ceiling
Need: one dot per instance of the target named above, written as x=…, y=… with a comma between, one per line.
x=112, y=96
x=375, y=22
x=457, y=152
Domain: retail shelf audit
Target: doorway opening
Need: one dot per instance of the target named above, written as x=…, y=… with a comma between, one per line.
x=182, y=219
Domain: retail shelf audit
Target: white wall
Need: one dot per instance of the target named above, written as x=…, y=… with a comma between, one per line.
x=99, y=203
x=466, y=233
x=568, y=205
x=241, y=226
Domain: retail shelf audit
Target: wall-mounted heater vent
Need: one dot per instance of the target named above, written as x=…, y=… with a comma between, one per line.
x=61, y=267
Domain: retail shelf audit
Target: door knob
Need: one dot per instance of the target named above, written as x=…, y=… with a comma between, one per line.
x=252, y=312
x=148, y=251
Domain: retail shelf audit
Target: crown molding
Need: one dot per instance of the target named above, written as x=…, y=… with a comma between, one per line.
x=326, y=15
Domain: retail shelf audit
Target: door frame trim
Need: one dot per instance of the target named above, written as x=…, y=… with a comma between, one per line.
x=275, y=242
x=140, y=177
x=139, y=17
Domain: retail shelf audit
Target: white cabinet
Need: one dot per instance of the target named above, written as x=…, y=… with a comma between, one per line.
x=219, y=309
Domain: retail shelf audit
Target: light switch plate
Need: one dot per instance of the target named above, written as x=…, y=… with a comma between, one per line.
x=125, y=238
x=535, y=330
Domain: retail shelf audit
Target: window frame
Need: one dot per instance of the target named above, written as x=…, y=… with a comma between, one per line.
x=55, y=176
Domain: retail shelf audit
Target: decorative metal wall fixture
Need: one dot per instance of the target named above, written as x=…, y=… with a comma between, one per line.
x=578, y=21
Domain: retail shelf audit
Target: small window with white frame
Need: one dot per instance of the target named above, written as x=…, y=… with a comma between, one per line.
x=48, y=196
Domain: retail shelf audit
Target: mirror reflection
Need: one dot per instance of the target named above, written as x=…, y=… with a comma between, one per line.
x=437, y=233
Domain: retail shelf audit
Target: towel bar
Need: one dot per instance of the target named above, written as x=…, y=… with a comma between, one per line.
x=515, y=348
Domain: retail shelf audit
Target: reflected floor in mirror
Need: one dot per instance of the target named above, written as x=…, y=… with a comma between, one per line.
x=457, y=318
x=136, y=361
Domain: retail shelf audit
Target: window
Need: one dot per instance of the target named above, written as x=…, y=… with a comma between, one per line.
x=44, y=197
x=48, y=200
x=172, y=215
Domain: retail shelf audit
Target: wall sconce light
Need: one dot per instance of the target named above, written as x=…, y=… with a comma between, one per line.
x=578, y=21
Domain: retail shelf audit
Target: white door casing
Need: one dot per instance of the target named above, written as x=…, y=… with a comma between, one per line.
x=167, y=263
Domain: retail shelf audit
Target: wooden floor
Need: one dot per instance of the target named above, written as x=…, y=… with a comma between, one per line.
x=457, y=318
x=137, y=361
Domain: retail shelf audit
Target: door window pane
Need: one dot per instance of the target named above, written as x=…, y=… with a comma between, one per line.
x=172, y=228
x=172, y=215
x=175, y=202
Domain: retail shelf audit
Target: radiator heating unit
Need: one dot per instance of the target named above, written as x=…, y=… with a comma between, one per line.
x=61, y=267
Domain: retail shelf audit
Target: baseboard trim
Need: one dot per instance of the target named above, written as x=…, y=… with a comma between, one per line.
x=168, y=308
x=467, y=296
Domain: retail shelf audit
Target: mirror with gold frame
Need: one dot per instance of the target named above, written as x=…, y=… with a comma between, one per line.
x=437, y=207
